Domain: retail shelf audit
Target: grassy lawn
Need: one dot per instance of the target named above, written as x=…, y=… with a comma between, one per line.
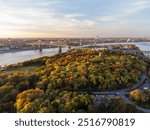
x=31, y=69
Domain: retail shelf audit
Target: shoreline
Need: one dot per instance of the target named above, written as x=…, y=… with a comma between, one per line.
x=13, y=50
x=23, y=49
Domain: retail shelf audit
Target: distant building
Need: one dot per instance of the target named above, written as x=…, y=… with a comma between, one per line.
x=128, y=40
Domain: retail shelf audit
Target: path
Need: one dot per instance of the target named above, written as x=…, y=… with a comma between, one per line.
x=123, y=92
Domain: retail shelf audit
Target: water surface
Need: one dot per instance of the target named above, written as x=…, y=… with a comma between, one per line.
x=14, y=57
x=11, y=58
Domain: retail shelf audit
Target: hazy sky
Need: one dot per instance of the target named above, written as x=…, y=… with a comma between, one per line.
x=74, y=18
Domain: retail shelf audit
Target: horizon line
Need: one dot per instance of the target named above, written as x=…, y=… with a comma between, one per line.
x=67, y=37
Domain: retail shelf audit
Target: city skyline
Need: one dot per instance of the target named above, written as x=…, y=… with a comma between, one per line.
x=80, y=18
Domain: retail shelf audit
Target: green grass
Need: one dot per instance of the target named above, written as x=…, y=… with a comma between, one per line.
x=31, y=69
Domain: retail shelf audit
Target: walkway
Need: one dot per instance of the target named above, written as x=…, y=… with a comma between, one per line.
x=130, y=102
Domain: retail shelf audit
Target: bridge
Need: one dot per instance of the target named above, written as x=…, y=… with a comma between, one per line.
x=61, y=44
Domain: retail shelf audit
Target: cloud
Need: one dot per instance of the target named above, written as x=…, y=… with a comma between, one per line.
x=58, y=17
x=74, y=15
x=136, y=7
x=125, y=13
x=107, y=18
x=39, y=20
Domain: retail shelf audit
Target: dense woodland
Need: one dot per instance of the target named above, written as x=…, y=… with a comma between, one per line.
x=55, y=85
x=141, y=98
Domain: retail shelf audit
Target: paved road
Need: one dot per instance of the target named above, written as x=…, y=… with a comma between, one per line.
x=145, y=86
x=123, y=92
x=130, y=102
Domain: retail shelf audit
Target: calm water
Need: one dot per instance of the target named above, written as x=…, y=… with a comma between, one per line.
x=11, y=58
x=144, y=46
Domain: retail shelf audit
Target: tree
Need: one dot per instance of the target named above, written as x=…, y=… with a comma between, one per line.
x=29, y=100
x=136, y=95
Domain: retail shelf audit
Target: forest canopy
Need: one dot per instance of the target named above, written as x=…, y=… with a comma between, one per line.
x=56, y=83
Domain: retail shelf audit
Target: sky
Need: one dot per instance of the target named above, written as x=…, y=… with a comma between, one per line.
x=74, y=18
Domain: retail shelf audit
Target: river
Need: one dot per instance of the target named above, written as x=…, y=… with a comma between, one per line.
x=12, y=58
x=144, y=46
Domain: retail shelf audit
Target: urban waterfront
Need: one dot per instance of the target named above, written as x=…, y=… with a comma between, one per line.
x=12, y=58
x=15, y=57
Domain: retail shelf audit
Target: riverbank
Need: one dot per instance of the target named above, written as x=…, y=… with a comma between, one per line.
x=19, y=55
x=13, y=50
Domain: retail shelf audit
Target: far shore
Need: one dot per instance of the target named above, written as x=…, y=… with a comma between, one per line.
x=23, y=49
x=13, y=50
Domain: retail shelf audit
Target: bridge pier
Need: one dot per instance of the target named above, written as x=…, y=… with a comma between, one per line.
x=59, y=49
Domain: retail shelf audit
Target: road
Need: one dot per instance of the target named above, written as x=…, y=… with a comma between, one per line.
x=143, y=78
x=137, y=107
x=123, y=92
